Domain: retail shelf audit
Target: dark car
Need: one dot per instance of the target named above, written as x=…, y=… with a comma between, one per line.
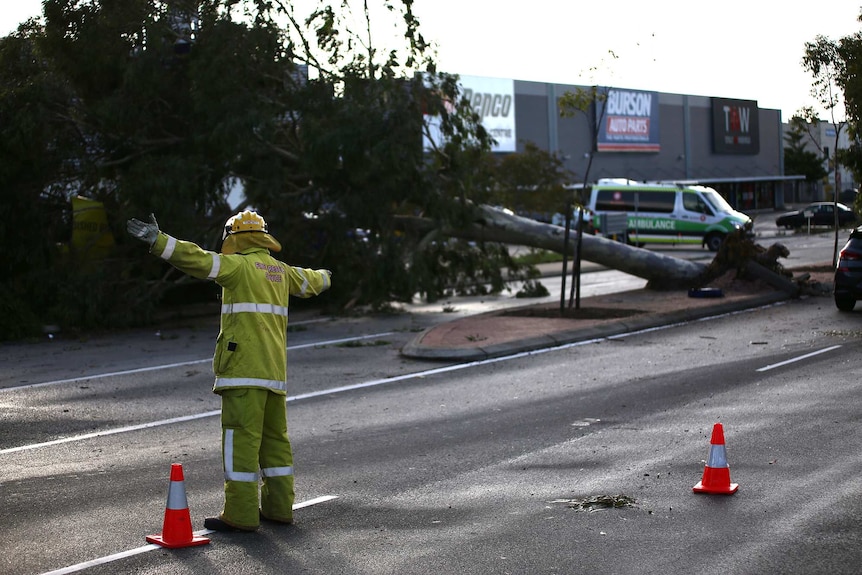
x=821, y=214
x=847, y=286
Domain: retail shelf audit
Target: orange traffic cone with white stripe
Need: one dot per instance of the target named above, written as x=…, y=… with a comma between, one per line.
x=716, y=474
x=177, y=527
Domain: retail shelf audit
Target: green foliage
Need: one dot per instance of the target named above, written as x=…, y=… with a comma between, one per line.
x=19, y=321
x=580, y=101
x=823, y=61
x=834, y=68
x=837, y=79
x=533, y=257
x=88, y=296
x=850, y=51
x=797, y=159
x=32, y=169
x=852, y=156
x=532, y=182
x=457, y=267
x=139, y=105
x=77, y=295
x=532, y=289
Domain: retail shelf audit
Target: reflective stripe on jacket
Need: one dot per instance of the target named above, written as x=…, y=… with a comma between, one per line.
x=251, y=349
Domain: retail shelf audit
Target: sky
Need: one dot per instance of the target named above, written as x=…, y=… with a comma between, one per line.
x=741, y=49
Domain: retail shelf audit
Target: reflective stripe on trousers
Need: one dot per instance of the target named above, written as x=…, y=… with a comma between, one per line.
x=231, y=475
x=254, y=435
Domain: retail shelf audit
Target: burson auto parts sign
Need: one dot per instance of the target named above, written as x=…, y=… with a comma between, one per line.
x=628, y=121
x=493, y=99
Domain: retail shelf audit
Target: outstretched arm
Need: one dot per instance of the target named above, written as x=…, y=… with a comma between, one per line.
x=306, y=282
x=187, y=257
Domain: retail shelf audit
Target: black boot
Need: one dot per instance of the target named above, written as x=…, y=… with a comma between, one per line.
x=217, y=524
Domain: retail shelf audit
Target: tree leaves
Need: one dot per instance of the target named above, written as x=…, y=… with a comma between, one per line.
x=162, y=107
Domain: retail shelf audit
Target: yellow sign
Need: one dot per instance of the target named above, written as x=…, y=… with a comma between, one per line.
x=91, y=236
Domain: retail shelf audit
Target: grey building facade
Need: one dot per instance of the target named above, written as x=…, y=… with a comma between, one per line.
x=731, y=145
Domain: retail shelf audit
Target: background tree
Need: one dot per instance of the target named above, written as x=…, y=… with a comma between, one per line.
x=532, y=183
x=798, y=159
x=573, y=103
x=584, y=102
x=849, y=51
x=823, y=60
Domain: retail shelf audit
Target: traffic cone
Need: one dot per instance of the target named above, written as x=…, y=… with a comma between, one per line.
x=177, y=527
x=716, y=474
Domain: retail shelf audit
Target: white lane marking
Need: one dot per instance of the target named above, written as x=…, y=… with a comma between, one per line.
x=151, y=546
x=337, y=341
x=376, y=382
x=106, y=432
x=103, y=560
x=181, y=364
x=800, y=358
x=315, y=501
x=323, y=392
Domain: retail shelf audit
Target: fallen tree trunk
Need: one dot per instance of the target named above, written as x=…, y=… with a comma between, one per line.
x=660, y=270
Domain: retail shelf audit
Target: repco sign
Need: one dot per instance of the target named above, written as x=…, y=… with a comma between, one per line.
x=493, y=99
x=488, y=104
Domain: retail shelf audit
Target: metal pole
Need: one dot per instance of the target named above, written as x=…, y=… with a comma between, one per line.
x=565, y=257
x=576, y=280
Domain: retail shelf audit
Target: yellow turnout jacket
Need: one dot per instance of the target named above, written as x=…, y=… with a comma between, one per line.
x=251, y=349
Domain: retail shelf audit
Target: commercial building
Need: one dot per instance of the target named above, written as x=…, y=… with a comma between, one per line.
x=732, y=145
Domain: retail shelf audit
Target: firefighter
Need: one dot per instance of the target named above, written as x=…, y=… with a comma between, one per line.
x=250, y=362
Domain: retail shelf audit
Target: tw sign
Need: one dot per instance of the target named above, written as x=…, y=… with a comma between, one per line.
x=735, y=126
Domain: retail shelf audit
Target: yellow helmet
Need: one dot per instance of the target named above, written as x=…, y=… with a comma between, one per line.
x=235, y=239
x=246, y=221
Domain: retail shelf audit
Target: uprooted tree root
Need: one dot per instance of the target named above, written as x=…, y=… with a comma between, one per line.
x=737, y=250
x=743, y=262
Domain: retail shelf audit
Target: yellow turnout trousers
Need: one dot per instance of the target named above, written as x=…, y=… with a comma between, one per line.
x=254, y=438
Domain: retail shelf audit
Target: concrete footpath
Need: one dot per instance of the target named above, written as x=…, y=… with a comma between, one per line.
x=531, y=327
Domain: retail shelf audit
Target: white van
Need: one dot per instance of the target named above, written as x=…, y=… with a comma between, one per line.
x=662, y=213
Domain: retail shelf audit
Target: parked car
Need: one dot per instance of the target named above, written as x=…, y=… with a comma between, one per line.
x=822, y=214
x=847, y=286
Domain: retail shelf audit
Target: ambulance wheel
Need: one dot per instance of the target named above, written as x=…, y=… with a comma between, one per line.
x=713, y=241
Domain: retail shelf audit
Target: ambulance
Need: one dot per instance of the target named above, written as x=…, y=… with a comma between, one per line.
x=665, y=213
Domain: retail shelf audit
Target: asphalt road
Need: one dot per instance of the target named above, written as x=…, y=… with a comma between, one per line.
x=417, y=467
